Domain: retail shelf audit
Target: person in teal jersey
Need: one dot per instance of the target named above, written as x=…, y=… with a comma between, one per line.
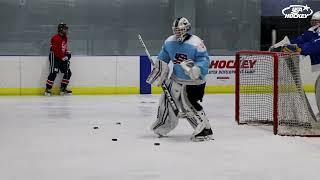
x=186, y=84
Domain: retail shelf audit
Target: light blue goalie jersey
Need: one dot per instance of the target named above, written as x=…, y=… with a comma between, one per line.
x=193, y=49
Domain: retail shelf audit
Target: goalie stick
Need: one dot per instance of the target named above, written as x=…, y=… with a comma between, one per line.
x=163, y=85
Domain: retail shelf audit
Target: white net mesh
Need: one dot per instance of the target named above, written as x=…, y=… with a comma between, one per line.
x=256, y=89
x=273, y=86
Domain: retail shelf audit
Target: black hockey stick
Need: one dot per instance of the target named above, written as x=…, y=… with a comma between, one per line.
x=163, y=85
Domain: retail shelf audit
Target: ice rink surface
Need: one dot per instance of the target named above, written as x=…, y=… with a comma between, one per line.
x=53, y=138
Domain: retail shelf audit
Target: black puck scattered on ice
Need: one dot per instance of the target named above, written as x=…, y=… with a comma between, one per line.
x=96, y=127
x=114, y=139
x=156, y=144
x=118, y=123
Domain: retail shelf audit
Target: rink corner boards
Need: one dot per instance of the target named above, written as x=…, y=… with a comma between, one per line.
x=226, y=89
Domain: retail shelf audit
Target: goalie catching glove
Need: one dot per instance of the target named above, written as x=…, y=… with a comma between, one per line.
x=192, y=70
x=159, y=73
x=285, y=46
x=289, y=48
x=275, y=48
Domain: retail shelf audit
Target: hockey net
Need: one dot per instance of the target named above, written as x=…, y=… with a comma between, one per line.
x=269, y=91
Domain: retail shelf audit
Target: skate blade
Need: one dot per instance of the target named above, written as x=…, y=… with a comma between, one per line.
x=202, y=138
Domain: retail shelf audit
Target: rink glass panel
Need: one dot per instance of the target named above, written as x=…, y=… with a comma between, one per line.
x=110, y=27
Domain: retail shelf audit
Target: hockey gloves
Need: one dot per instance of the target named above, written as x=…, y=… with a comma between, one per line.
x=291, y=48
x=159, y=73
x=67, y=57
x=192, y=70
x=68, y=54
x=285, y=46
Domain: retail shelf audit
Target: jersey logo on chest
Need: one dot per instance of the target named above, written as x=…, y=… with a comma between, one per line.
x=179, y=57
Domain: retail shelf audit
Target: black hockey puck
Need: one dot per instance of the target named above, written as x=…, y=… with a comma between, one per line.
x=156, y=144
x=114, y=139
x=96, y=127
x=118, y=123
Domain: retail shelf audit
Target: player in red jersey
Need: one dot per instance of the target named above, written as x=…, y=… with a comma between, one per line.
x=59, y=58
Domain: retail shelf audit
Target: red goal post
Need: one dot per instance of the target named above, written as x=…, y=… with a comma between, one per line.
x=271, y=92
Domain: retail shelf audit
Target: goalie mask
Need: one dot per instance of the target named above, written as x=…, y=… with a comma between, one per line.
x=315, y=20
x=63, y=28
x=180, y=28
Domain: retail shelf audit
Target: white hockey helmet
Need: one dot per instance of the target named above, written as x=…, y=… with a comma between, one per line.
x=315, y=19
x=180, y=28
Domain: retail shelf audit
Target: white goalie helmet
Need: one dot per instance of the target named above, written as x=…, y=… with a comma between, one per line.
x=315, y=19
x=180, y=27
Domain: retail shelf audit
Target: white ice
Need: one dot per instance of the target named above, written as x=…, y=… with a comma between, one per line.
x=52, y=138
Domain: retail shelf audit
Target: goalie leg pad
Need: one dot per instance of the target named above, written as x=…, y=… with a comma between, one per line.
x=166, y=119
x=159, y=73
x=192, y=121
x=194, y=94
x=194, y=109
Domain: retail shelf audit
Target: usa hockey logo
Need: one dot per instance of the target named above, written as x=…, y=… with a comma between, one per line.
x=297, y=11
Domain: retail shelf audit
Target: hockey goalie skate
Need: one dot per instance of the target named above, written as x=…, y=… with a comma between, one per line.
x=203, y=131
x=204, y=135
x=65, y=92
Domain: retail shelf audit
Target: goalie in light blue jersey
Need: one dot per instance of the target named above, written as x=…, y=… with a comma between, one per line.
x=186, y=84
